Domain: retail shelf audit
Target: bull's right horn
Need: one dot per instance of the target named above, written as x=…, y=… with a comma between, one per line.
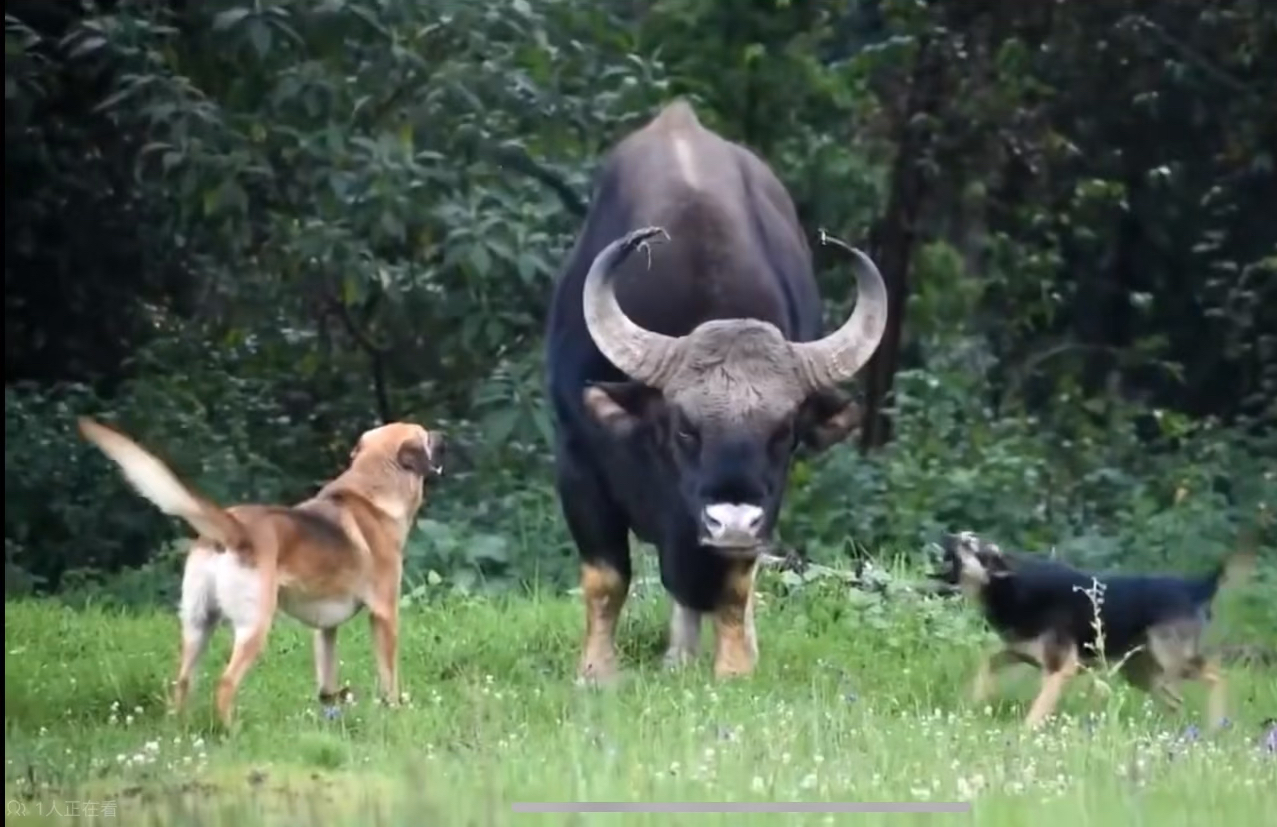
x=638, y=352
x=840, y=355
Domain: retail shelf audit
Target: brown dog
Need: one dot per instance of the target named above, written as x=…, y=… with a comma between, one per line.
x=320, y=561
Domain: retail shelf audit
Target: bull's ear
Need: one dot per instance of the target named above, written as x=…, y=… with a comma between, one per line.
x=827, y=417
x=621, y=406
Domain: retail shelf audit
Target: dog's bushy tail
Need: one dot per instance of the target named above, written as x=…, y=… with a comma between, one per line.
x=1232, y=570
x=156, y=482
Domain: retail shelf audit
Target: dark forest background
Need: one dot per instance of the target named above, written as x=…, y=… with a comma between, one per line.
x=248, y=231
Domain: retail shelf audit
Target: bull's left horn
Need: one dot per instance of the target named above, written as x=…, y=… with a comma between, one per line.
x=638, y=352
x=840, y=355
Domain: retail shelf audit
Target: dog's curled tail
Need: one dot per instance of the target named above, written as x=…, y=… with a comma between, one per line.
x=156, y=482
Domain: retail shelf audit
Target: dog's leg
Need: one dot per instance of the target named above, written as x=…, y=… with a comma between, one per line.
x=1176, y=649
x=1217, y=701
x=198, y=614
x=195, y=637
x=1053, y=681
x=249, y=641
x=989, y=667
x=736, y=641
x=247, y=595
x=685, y=635
x=1170, y=695
x=385, y=637
x=326, y=666
x=383, y=614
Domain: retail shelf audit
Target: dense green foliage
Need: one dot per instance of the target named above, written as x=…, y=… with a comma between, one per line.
x=248, y=231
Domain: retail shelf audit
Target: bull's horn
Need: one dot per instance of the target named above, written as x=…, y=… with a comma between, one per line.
x=640, y=353
x=840, y=355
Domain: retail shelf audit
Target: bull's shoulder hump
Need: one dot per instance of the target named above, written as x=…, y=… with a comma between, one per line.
x=675, y=115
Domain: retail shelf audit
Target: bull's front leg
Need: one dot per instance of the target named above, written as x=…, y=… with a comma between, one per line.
x=601, y=535
x=604, y=589
x=736, y=642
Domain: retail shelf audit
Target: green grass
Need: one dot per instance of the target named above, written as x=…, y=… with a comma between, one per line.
x=857, y=698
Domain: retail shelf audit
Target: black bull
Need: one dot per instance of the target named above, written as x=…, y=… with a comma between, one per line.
x=684, y=377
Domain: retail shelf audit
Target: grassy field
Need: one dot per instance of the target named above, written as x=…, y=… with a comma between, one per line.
x=858, y=698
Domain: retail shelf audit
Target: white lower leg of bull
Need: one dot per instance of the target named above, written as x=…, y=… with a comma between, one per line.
x=736, y=641
x=685, y=636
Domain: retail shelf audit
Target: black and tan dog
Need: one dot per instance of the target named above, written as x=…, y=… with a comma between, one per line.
x=321, y=561
x=1045, y=614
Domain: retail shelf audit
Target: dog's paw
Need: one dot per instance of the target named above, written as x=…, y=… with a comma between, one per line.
x=599, y=680
x=342, y=696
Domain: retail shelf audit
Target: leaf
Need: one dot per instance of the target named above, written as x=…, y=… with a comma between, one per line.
x=480, y=259
x=487, y=548
x=792, y=579
x=224, y=20
x=86, y=45
x=260, y=36
x=499, y=424
x=391, y=225
x=433, y=530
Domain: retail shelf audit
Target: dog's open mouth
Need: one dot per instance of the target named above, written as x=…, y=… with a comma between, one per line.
x=943, y=568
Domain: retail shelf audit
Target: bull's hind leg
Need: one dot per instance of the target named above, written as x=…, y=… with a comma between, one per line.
x=685, y=635
x=736, y=641
x=602, y=540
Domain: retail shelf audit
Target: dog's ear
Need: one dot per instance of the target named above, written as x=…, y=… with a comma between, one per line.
x=438, y=448
x=995, y=562
x=413, y=456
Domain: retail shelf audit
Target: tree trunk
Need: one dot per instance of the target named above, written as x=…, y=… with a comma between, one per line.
x=894, y=239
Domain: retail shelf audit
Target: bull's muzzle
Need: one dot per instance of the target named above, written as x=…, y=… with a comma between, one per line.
x=732, y=525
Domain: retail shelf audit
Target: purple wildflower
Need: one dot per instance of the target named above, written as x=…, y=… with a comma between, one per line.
x=331, y=712
x=1192, y=733
x=1270, y=740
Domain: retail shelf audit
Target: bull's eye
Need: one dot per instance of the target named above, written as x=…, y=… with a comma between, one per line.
x=687, y=437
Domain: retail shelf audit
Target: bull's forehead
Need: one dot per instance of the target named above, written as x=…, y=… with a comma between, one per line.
x=738, y=369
